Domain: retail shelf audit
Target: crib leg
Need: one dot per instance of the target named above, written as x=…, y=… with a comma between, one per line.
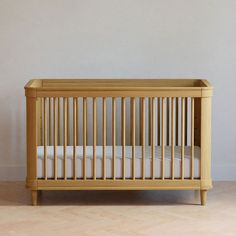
x=34, y=195
x=203, y=195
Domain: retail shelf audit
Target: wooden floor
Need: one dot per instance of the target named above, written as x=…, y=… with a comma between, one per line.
x=118, y=213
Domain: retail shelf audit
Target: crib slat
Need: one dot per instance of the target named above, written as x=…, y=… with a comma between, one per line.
x=149, y=121
x=167, y=121
x=58, y=122
x=50, y=122
x=153, y=138
x=77, y=123
x=140, y=120
x=186, y=122
x=104, y=138
x=192, y=138
x=68, y=121
x=64, y=134
x=74, y=134
x=143, y=138
x=177, y=121
x=114, y=137
x=39, y=110
x=163, y=140
x=87, y=123
x=84, y=135
x=55, y=137
x=172, y=138
x=133, y=136
x=159, y=122
x=123, y=136
x=45, y=135
x=182, y=135
x=94, y=135
x=40, y=136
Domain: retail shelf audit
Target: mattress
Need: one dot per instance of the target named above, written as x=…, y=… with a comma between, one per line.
x=109, y=161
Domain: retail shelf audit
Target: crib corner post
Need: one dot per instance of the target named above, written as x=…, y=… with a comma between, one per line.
x=203, y=197
x=34, y=196
x=206, y=181
x=31, y=141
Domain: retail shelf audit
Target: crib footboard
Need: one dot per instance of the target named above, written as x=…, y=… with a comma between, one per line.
x=118, y=135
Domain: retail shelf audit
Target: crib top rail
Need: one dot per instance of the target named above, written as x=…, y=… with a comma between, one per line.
x=118, y=87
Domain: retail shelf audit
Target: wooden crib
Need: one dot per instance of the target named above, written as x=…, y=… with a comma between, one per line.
x=129, y=134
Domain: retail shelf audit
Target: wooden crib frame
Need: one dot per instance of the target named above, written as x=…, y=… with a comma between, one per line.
x=199, y=91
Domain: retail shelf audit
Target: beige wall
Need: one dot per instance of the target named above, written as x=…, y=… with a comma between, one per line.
x=117, y=38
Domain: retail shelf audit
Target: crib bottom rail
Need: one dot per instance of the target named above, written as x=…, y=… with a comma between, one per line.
x=118, y=184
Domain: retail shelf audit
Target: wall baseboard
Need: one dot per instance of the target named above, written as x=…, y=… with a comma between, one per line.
x=18, y=173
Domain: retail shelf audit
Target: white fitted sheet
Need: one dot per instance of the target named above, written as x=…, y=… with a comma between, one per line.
x=128, y=151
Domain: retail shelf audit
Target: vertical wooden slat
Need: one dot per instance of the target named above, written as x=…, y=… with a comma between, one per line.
x=149, y=121
x=130, y=121
x=140, y=120
x=123, y=136
x=104, y=138
x=153, y=138
x=68, y=121
x=50, y=121
x=186, y=122
x=55, y=137
x=77, y=123
x=177, y=121
x=192, y=138
x=143, y=138
x=58, y=122
x=159, y=121
x=163, y=140
x=167, y=121
x=74, y=135
x=64, y=134
x=39, y=120
x=84, y=135
x=172, y=138
x=94, y=135
x=87, y=123
x=45, y=135
x=133, y=136
x=182, y=135
x=114, y=137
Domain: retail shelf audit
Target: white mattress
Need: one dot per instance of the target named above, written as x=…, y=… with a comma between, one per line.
x=99, y=161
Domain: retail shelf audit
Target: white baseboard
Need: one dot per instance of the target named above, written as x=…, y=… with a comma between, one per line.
x=17, y=173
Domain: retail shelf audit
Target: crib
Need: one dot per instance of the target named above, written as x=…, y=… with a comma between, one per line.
x=118, y=134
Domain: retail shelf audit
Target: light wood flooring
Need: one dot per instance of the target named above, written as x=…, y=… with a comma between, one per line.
x=118, y=212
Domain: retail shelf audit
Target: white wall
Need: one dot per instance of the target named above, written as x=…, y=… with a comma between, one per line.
x=117, y=38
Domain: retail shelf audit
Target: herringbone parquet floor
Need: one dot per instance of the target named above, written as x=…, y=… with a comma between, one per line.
x=111, y=213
